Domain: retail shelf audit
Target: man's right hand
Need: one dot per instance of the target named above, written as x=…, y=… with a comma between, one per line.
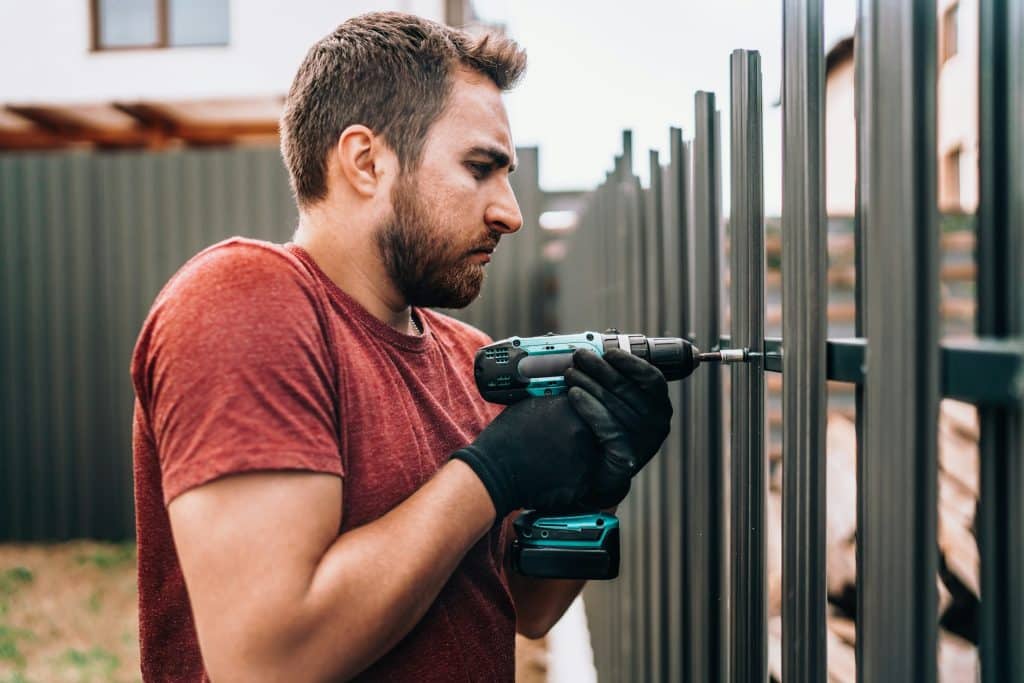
x=538, y=453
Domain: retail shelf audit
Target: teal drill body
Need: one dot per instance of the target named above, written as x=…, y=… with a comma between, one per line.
x=580, y=546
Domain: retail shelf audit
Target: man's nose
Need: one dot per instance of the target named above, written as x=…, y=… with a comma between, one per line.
x=503, y=213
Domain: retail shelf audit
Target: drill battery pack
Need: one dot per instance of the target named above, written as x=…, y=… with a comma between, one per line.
x=584, y=546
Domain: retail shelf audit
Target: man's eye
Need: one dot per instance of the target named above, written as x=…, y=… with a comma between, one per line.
x=479, y=169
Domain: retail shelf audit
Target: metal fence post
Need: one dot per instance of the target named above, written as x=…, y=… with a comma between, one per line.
x=704, y=467
x=749, y=638
x=1000, y=255
x=804, y=303
x=677, y=273
x=898, y=537
x=657, y=487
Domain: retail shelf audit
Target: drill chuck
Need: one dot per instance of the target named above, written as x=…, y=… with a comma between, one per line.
x=675, y=357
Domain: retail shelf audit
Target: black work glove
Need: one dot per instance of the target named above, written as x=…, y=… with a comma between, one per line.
x=538, y=453
x=625, y=401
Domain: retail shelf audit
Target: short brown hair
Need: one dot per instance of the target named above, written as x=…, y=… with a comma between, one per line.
x=389, y=71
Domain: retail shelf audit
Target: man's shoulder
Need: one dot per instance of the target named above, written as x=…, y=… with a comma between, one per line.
x=240, y=260
x=238, y=288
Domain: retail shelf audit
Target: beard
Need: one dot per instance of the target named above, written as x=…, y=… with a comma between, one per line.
x=429, y=266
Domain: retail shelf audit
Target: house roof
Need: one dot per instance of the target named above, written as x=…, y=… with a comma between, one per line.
x=151, y=124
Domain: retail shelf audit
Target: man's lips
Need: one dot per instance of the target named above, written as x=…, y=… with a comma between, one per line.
x=486, y=249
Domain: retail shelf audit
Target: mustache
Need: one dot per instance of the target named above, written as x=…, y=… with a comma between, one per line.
x=489, y=245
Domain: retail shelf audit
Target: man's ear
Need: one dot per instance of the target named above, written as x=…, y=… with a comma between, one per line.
x=359, y=155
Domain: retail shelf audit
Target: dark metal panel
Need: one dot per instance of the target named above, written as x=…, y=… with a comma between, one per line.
x=36, y=350
x=677, y=285
x=641, y=499
x=12, y=368
x=86, y=352
x=658, y=492
x=704, y=580
x=60, y=390
x=1000, y=256
x=804, y=328
x=898, y=537
x=748, y=552
x=862, y=43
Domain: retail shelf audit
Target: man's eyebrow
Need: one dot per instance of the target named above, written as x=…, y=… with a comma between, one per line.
x=499, y=159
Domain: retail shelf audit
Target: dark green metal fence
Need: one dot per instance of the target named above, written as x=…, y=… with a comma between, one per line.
x=86, y=241
x=690, y=601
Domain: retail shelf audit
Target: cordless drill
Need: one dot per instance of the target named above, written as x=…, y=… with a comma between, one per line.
x=586, y=545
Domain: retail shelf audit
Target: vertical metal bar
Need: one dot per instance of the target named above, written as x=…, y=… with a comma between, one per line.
x=37, y=350
x=655, y=499
x=804, y=331
x=60, y=388
x=862, y=43
x=898, y=539
x=12, y=284
x=704, y=495
x=676, y=285
x=1000, y=255
x=749, y=641
x=637, y=529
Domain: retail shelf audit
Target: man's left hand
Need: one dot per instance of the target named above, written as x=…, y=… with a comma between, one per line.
x=625, y=401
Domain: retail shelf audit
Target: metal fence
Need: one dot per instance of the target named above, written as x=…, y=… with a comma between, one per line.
x=86, y=241
x=690, y=601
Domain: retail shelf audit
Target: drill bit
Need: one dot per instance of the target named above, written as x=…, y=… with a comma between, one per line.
x=724, y=356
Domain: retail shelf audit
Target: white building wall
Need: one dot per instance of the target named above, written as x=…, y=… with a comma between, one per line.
x=958, y=108
x=840, y=142
x=45, y=55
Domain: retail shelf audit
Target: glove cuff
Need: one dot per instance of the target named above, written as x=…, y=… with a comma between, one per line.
x=499, y=483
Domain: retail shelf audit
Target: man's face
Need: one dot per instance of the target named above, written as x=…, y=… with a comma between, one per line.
x=450, y=212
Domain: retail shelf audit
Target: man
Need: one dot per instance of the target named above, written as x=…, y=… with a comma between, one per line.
x=320, y=490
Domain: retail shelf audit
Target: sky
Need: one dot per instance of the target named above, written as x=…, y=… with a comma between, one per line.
x=597, y=67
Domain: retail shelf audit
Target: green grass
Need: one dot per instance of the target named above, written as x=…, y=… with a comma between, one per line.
x=95, y=602
x=16, y=677
x=95, y=664
x=109, y=557
x=13, y=579
x=9, y=638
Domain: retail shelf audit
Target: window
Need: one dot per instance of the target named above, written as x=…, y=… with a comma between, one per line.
x=950, y=30
x=119, y=24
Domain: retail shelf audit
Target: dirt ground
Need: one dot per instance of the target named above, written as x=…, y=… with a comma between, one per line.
x=68, y=615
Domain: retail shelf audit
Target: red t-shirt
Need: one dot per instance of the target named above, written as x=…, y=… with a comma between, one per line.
x=252, y=359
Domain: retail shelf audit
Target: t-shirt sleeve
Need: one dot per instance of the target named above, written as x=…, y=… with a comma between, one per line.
x=233, y=371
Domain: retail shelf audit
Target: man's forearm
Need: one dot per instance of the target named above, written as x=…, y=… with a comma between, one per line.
x=377, y=581
x=540, y=603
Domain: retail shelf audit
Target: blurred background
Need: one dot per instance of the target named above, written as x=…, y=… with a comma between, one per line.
x=133, y=133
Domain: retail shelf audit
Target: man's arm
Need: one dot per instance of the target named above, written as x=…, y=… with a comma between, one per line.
x=276, y=592
x=540, y=603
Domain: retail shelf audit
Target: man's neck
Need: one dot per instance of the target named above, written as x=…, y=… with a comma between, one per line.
x=355, y=266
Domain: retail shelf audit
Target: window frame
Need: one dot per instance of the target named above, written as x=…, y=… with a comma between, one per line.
x=163, y=32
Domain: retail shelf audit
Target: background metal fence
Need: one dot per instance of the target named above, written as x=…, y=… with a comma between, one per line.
x=86, y=241
x=690, y=602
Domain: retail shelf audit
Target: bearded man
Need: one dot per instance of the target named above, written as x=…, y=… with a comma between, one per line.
x=321, y=493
